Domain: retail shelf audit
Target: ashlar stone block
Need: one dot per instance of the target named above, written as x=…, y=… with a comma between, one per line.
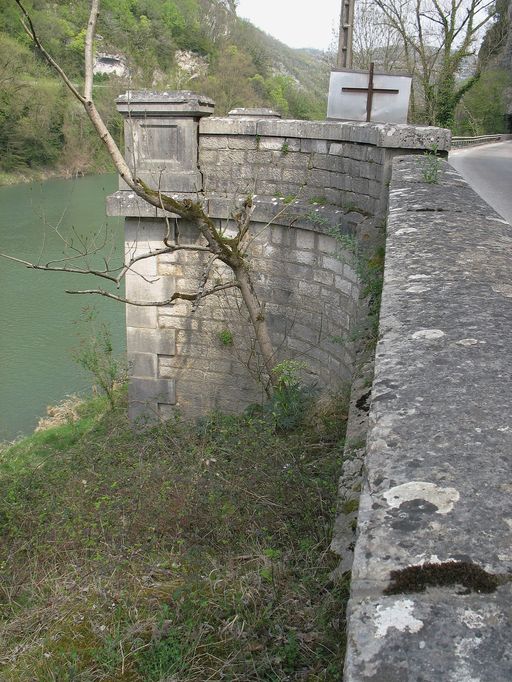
x=158, y=341
x=305, y=240
x=161, y=132
x=141, y=316
x=146, y=391
x=145, y=396
x=142, y=364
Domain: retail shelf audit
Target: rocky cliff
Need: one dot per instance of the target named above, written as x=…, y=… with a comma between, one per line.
x=496, y=49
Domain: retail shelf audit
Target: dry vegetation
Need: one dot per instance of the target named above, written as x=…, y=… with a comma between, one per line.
x=189, y=551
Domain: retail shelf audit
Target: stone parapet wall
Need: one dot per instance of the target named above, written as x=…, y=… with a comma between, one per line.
x=431, y=579
x=309, y=179
x=342, y=164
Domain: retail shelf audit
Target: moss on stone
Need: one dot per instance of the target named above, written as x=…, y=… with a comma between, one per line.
x=465, y=573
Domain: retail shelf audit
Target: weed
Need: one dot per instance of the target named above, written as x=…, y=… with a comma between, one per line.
x=285, y=148
x=349, y=243
x=431, y=165
x=109, y=654
x=290, y=652
x=288, y=373
x=225, y=336
x=286, y=198
x=318, y=200
x=369, y=269
x=350, y=506
x=317, y=219
x=164, y=656
x=291, y=397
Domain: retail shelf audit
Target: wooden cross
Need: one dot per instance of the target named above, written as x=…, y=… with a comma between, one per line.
x=370, y=90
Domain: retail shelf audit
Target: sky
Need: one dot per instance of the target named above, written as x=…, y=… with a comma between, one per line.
x=296, y=23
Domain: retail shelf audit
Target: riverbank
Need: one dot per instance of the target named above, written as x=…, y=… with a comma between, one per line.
x=41, y=174
x=29, y=175
x=191, y=550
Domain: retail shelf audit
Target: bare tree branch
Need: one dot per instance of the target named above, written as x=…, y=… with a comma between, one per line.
x=49, y=268
x=440, y=34
x=29, y=28
x=204, y=281
x=89, y=53
x=177, y=296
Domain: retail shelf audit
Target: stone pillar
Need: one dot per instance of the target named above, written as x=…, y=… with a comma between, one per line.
x=161, y=148
x=160, y=133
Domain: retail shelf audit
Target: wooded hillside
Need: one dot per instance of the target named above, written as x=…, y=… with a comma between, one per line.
x=487, y=107
x=165, y=44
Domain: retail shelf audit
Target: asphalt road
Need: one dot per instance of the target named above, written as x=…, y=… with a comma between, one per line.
x=488, y=169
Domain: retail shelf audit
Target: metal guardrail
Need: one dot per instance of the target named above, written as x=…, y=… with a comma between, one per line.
x=478, y=139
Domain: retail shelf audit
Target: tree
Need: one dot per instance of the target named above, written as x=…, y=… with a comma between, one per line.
x=437, y=35
x=230, y=82
x=374, y=40
x=483, y=110
x=494, y=45
x=29, y=129
x=230, y=250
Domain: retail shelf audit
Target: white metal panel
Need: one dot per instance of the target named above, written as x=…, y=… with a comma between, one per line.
x=351, y=106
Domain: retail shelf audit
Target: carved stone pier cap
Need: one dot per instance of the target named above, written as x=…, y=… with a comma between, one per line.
x=161, y=133
x=257, y=112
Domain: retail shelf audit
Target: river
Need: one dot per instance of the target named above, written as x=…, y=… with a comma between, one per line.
x=38, y=329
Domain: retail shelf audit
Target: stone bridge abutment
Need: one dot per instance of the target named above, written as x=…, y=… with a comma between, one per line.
x=317, y=186
x=429, y=437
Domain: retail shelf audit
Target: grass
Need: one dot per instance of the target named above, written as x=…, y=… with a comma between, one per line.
x=187, y=552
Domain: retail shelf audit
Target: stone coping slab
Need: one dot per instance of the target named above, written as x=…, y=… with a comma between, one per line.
x=320, y=218
x=439, y=465
x=393, y=136
x=170, y=103
x=169, y=96
x=436, y=637
x=259, y=112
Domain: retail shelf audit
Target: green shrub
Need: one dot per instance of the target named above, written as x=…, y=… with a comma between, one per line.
x=96, y=354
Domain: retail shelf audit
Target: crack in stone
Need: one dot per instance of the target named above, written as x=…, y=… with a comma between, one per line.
x=430, y=209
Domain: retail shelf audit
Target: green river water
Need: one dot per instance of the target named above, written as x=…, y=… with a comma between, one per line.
x=38, y=329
